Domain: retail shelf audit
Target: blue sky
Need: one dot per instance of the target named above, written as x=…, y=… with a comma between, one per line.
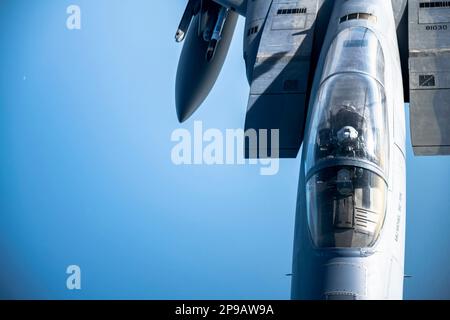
x=86, y=176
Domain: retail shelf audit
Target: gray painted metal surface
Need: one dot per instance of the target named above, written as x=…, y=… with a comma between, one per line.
x=360, y=44
x=280, y=76
x=429, y=68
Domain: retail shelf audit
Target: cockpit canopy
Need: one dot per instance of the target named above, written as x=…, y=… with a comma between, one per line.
x=347, y=146
x=349, y=123
x=355, y=50
x=346, y=162
x=346, y=207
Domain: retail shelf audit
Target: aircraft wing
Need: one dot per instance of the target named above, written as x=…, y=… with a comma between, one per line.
x=429, y=76
x=279, y=53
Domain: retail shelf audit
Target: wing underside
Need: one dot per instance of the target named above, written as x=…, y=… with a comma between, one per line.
x=429, y=76
x=279, y=78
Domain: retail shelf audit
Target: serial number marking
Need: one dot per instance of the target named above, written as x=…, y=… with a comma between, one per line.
x=440, y=27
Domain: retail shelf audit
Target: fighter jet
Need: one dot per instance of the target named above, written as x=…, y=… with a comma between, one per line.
x=334, y=77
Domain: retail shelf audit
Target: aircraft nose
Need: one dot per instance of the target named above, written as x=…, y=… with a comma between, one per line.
x=182, y=116
x=185, y=104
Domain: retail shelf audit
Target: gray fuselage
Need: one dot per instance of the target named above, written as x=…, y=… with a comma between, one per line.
x=350, y=222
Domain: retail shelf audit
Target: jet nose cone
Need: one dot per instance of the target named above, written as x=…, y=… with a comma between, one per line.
x=181, y=117
x=187, y=101
x=184, y=112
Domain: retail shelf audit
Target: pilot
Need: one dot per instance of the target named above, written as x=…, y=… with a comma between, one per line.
x=348, y=126
x=343, y=136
